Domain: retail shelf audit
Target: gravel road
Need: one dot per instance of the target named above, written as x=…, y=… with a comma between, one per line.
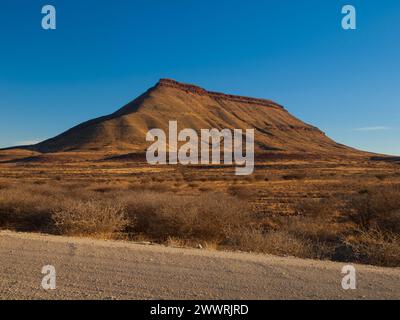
x=96, y=269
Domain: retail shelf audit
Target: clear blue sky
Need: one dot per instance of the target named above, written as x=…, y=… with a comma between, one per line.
x=105, y=53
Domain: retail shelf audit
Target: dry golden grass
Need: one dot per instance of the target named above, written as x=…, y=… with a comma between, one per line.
x=339, y=210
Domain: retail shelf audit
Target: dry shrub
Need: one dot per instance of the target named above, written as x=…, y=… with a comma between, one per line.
x=316, y=220
x=373, y=235
x=316, y=230
x=23, y=210
x=376, y=247
x=316, y=208
x=156, y=187
x=94, y=217
x=269, y=224
x=377, y=208
x=210, y=217
x=273, y=242
x=242, y=192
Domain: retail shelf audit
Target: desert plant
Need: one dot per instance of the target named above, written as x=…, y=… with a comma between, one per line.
x=93, y=217
x=207, y=216
x=376, y=208
x=23, y=210
x=242, y=192
x=375, y=247
x=273, y=242
x=316, y=208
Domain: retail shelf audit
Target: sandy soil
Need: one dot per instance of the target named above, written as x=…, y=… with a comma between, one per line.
x=96, y=269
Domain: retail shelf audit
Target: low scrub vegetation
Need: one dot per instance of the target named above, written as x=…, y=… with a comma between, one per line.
x=208, y=216
x=98, y=217
x=361, y=227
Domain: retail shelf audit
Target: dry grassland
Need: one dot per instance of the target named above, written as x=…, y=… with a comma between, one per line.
x=343, y=210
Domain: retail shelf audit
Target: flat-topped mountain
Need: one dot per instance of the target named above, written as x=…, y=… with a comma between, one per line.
x=196, y=108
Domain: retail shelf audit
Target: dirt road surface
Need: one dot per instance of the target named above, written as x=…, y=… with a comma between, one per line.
x=95, y=269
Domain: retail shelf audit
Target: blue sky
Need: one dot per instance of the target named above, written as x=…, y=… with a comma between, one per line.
x=105, y=53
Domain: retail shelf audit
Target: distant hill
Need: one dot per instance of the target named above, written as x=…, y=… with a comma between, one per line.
x=193, y=107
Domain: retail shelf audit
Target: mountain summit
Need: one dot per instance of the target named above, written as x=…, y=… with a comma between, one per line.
x=196, y=108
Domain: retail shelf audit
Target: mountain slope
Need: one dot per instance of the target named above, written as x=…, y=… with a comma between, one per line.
x=193, y=107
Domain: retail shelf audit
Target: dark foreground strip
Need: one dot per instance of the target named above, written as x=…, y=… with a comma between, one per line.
x=194, y=309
